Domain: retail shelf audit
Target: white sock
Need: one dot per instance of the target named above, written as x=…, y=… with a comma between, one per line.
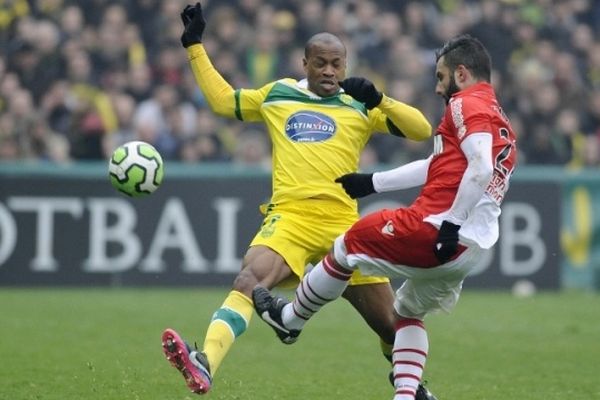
x=410, y=352
x=324, y=283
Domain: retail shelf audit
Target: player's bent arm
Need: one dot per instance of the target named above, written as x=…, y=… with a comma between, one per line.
x=477, y=148
x=218, y=93
x=410, y=122
x=407, y=176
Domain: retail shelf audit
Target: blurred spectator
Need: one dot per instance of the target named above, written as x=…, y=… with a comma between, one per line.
x=310, y=19
x=125, y=108
x=79, y=78
x=164, y=121
x=206, y=143
x=139, y=77
x=262, y=58
x=253, y=149
x=86, y=131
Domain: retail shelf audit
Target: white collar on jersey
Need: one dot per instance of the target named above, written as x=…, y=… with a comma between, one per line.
x=302, y=84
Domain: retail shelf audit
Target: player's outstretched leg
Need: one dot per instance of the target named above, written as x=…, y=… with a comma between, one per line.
x=192, y=364
x=269, y=309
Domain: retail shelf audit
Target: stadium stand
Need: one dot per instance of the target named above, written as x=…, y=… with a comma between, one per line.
x=77, y=78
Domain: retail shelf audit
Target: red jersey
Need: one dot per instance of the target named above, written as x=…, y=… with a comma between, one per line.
x=473, y=110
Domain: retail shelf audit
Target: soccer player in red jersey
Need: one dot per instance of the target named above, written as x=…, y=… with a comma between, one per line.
x=435, y=242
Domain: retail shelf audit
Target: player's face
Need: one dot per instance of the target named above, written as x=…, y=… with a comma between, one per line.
x=325, y=66
x=446, y=83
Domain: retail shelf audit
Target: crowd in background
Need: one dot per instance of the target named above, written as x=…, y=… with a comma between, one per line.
x=78, y=78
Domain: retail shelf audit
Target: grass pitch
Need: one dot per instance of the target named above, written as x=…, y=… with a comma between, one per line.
x=105, y=344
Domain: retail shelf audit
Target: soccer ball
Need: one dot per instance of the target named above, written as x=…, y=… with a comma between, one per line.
x=136, y=169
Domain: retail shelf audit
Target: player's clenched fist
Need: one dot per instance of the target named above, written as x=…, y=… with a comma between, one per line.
x=357, y=185
x=446, y=244
x=194, y=24
x=362, y=90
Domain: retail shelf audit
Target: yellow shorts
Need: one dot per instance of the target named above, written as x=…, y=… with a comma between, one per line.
x=303, y=233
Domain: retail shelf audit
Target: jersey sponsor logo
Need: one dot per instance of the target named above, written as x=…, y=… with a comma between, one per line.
x=457, y=117
x=497, y=188
x=309, y=126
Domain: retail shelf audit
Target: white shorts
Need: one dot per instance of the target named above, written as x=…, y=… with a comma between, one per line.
x=425, y=290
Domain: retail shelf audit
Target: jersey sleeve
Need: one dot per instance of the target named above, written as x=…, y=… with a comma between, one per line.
x=218, y=92
x=378, y=121
x=248, y=102
x=469, y=116
x=399, y=119
x=243, y=104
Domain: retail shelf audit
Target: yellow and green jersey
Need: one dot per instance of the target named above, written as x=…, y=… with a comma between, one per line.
x=315, y=139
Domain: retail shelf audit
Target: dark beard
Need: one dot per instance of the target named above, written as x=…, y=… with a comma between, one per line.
x=452, y=88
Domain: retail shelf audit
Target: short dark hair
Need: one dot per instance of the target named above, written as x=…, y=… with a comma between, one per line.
x=468, y=51
x=322, y=38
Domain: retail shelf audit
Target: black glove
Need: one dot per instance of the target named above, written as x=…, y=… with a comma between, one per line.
x=446, y=244
x=357, y=185
x=194, y=23
x=362, y=90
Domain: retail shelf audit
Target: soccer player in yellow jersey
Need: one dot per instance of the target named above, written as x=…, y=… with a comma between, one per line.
x=318, y=127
